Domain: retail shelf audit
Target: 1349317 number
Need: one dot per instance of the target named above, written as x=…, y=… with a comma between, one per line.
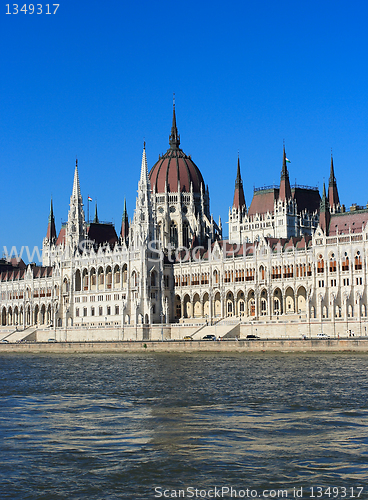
x=31, y=8
x=338, y=492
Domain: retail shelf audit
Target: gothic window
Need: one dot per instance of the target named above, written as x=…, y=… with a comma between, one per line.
x=262, y=273
x=116, y=276
x=358, y=262
x=93, y=279
x=345, y=263
x=332, y=263
x=77, y=281
x=100, y=276
x=134, y=278
x=174, y=234
x=263, y=307
x=108, y=278
x=85, y=279
x=125, y=274
x=186, y=236
x=320, y=264
x=153, y=278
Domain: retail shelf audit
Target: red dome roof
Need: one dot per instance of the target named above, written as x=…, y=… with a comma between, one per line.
x=173, y=167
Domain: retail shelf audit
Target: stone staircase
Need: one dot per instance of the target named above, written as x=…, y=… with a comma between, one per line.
x=19, y=335
x=224, y=329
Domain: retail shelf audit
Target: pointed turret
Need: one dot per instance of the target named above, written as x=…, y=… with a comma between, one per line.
x=174, y=139
x=51, y=229
x=76, y=187
x=144, y=179
x=324, y=212
x=333, y=195
x=143, y=224
x=76, y=227
x=239, y=199
x=95, y=220
x=124, y=233
x=285, y=191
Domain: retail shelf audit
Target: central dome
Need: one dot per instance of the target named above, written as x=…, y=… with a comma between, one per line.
x=175, y=167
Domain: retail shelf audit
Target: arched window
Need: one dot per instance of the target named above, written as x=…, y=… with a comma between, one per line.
x=108, y=277
x=85, y=279
x=153, y=278
x=263, y=307
x=320, y=264
x=186, y=235
x=77, y=281
x=134, y=278
x=332, y=263
x=174, y=234
x=100, y=278
x=116, y=276
x=358, y=262
x=262, y=273
x=345, y=263
x=93, y=279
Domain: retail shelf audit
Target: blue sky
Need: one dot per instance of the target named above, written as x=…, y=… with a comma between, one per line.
x=97, y=78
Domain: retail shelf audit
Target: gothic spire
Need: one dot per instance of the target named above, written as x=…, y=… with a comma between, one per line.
x=324, y=212
x=239, y=199
x=333, y=195
x=76, y=187
x=323, y=204
x=285, y=191
x=76, y=220
x=144, y=169
x=174, y=139
x=143, y=219
x=51, y=229
x=95, y=220
x=124, y=233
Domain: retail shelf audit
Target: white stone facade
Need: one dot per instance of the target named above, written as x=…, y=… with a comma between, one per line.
x=277, y=265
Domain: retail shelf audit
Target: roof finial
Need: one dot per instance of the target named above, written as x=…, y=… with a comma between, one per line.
x=76, y=162
x=174, y=139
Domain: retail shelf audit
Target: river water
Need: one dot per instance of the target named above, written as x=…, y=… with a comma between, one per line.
x=131, y=426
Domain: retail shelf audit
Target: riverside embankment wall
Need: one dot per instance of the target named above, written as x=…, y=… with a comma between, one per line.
x=242, y=346
x=266, y=330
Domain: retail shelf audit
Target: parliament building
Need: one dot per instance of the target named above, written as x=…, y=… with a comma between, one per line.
x=295, y=263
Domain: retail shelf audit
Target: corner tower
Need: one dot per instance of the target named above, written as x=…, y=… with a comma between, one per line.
x=48, y=245
x=238, y=212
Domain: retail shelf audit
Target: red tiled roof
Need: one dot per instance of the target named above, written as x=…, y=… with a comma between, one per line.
x=172, y=167
x=61, y=237
x=353, y=221
x=263, y=201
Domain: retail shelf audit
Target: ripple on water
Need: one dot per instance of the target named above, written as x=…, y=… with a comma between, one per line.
x=116, y=426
